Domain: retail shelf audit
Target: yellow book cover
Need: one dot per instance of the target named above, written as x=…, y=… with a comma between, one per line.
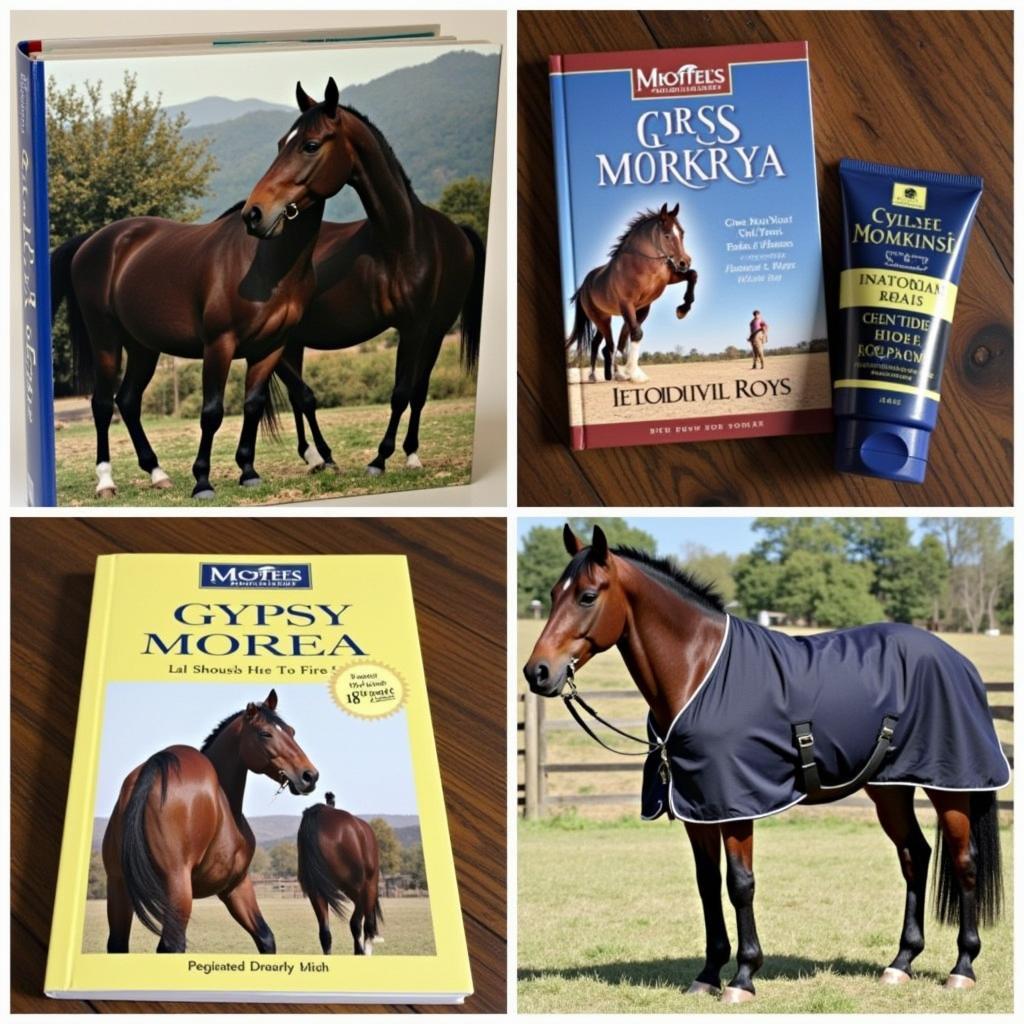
x=255, y=808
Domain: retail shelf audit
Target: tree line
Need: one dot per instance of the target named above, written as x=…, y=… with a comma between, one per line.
x=829, y=572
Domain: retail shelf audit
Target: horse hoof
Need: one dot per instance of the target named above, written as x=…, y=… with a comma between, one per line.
x=162, y=484
x=639, y=377
x=253, y=481
x=959, y=981
x=702, y=988
x=106, y=493
x=413, y=462
x=375, y=470
x=894, y=976
x=736, y=995
x=207, y=495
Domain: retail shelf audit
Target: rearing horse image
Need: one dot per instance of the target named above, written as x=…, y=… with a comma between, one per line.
x=648, y=256
x=178, y=833
x=339, y=859
x=745, y=722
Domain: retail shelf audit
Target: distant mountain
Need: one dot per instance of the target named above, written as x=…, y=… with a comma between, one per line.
x=272, y=829
x=438, y=118
x=214, y=109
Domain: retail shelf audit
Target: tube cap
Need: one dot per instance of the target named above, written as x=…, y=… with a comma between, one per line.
x=876, y=448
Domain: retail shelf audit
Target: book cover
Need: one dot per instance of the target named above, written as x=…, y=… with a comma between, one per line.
x=690, y=244
x=340, y=335
x=255, y=809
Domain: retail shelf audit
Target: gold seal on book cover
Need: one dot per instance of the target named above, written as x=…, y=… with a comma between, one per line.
x=368, y=690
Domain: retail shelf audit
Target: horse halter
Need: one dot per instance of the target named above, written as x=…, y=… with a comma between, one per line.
x=660, y=256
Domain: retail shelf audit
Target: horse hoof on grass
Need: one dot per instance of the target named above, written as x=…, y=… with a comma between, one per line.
x=207, y=495
x=162, y=484
x=106, y=493
x=253, y=481
x=413, y=462
x=736, y=995
x=702, y=988
x=375, y=470
x=960, y=981
x=894, y=976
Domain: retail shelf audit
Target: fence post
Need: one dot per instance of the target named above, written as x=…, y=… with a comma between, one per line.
x=542, y=760
x=531, y=749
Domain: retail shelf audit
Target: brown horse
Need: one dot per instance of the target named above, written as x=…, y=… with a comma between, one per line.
x=220, y=291
x=186, y=838
x=670, y=631
x=338, y=859
x=647, y=258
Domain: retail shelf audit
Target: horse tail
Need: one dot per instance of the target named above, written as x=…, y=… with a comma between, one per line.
x=988, y=861
x=270, y=421
x=374, y=919
x=61, y=290
x=315, y=878
x=473, y=306
x=141, y=878
x=583, y=329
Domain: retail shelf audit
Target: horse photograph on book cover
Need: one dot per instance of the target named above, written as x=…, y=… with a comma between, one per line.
x=320, y=268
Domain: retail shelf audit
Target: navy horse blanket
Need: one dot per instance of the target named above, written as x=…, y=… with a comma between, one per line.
x=731, y=752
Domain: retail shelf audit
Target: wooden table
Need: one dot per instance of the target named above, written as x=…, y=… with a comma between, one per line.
x=458, y=579
x=920, y=89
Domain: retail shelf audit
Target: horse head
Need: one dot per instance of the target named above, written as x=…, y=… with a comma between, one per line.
x=670, y=239
x=313, y=163
x=588, y=615
x=267, y=747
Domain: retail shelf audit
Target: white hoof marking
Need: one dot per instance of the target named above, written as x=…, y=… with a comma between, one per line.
x=374, y=470
x=368, y=947
x=413, y=462
x=312, y=457
x=159, y=479
x=106, y=487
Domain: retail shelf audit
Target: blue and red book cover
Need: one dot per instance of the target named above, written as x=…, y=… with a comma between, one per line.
x=690, y=245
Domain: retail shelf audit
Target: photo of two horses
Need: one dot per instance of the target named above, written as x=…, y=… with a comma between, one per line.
x=178, y=834
x=265, y=282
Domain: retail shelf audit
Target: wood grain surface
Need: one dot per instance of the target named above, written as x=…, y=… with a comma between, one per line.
x=458, y=580
x=921, y=89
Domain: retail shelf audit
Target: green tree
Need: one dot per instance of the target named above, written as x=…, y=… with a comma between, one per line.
x=902, y=574
x=284, y=860
x=412, y=864
x=466, y=202
x=757, y=584
x=97, y=886
x=803, y=585
x=260, y=863
x=713, y=566
x=782, y=537
x=126, y=159
x=847, y=599
x=390, y=849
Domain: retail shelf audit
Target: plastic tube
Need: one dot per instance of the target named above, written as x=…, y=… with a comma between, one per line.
x=905, y=235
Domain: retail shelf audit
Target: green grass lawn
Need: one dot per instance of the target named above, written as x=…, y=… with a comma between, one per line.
x=407, y=929
x=446, y=450
x=610, y=921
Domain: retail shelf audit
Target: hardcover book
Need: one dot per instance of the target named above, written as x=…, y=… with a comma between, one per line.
x=240, y=291
x=690, y=244
x=255, y=809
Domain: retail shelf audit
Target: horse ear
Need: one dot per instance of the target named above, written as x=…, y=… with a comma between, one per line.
x=663, y=212
x=304, y=101
x=674, y=211
x=251, y=711
x=331, y=98
x=599, y=547
x=572, y=543
x=271, y=701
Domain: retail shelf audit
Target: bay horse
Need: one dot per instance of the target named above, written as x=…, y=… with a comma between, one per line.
x=647, y=257
x=219, y=291
x=681, y=649
x=178, y=833
x=339, y=859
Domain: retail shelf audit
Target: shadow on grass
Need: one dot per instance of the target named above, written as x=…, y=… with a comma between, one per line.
x=678, y=973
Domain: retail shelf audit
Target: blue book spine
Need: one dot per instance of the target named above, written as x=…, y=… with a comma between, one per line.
x=560, y=131
x=34, y=272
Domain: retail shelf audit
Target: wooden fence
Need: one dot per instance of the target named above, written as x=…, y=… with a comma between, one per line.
x=534, y=728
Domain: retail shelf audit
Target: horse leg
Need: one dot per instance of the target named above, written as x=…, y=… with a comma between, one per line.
x=622, y=352
x=739, y=858
x=894, y=806
x=633, y=371
x=119, y=915
x=257, y=379
x=179, y=910
x=323, y=920
x=405, y=361
x=370, y=923
x=595, y=347
x=303, y=401
x=954, y=810
x=216, y=364
x=138, y=372
x=108, y=365
x=706, y=842
x=355, y=926
x=690, y=277
x=419, y=399
x=604, y=331
x=242, y=906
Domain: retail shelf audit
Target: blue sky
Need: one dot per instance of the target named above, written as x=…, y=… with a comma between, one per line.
x=731, y=534
x=772, y=107
x=365, y=763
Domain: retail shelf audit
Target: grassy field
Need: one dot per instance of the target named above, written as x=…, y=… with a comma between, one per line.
x=446, y=449
x=610, y=921
x=992, y=655
x=407, y=929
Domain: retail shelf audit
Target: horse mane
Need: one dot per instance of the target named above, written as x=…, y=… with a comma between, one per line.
x=389, y=153
x=642, y=218
x=667, y=570
x=271, y=716
x=232, y=209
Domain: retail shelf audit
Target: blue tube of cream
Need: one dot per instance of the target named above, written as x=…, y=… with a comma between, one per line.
x=905, y=236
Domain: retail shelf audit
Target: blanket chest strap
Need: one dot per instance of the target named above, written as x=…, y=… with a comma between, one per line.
x=819, y=794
